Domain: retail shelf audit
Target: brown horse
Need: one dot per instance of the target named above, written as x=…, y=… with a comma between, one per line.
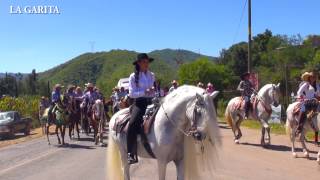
x=59, y=117
x=74, y=117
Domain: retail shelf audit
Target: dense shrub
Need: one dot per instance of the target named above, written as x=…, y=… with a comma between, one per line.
x=27, y=106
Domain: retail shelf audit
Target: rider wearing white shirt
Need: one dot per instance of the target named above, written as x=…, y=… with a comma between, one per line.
x=141, y=91
x=307, y=94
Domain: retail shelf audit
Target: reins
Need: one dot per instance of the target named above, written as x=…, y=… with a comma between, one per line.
x=174, y=124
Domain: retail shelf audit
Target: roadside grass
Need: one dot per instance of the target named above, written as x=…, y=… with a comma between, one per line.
x=276, y=128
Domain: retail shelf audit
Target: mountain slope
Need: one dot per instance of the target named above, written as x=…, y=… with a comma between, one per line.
x=106, y=68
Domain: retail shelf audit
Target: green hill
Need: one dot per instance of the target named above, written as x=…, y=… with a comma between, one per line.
x=106, y=68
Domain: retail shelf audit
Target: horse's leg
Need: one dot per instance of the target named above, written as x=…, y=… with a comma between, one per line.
x=63, y=132
x=303, y=143
x=101, y=131
x=263, y=131
x=238, y=130
x=292, y=139
x=265, y=126
x=59, y=142
x=47, y=132
x=70, y=130
x=269, y=137
x=180, y=169
x=77, y=128
x=162, y=167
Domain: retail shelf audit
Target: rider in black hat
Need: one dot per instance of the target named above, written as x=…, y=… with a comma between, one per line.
x=246, y=88
x=141, y=91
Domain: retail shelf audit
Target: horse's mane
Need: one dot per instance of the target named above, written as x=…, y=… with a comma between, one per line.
x=183, y=91
x=264, y=89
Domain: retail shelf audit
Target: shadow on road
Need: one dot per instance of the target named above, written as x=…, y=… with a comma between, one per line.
x=224, y=127
x=75, y=146
x=271, y=146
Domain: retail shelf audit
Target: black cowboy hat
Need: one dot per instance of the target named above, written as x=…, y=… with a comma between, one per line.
x=142, y=56
x=244, y=75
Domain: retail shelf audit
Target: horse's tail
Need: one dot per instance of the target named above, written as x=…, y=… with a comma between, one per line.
x=228, y=118
x=114, y=165
x=288, y=127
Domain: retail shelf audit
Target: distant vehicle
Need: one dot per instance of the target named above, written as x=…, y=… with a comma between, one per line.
x=124, y=82
x=11, y=123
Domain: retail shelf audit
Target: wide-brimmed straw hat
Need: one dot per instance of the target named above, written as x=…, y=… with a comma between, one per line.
x=89, y=85
x=305, y=76
x=142, y=56
x=174, y=82
x=58, y=86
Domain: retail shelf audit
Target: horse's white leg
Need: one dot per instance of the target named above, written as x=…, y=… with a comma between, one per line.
x=180, y=169
x=263, y=131
x=269, y=137
x=293, y=138
x=303, y=143
x=265, y=126
x=162, y=167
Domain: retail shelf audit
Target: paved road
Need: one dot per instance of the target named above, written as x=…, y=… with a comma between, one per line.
x=81, y=160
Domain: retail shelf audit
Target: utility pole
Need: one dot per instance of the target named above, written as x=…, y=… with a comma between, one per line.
x=250, y=36
x=92, y=43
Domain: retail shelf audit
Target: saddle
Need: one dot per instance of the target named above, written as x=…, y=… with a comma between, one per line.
x=121, y=125
x=240, y=104
x=121, y=122
x=296, y=109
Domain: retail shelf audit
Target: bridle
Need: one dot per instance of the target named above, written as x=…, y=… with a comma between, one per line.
x=194, y=121
x=265, y=106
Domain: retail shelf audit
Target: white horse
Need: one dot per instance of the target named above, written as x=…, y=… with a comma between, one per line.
x=170, y=136
x=267, y=96
x=98, y=121
x=291, y=127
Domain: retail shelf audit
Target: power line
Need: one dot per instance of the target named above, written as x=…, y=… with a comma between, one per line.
x=242, y=14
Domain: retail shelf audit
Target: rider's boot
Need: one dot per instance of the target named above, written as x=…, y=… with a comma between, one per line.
x=302, y=118
x=131, y=143
x=247, y=108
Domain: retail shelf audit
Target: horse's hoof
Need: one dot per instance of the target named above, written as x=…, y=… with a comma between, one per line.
x=306, y=154
x=101, y=144
x=237, y=141
x=294, y=155
x=318, y=160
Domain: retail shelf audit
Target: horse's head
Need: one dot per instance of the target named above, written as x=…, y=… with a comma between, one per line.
x=274, y=94
x=98, y=109
x=202, y=116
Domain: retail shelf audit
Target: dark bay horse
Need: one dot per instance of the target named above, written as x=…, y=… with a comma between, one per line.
x=74, y=117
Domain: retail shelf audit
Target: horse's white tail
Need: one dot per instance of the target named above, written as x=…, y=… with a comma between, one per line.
x=288, y=127
x=228, y=118
x=114, y=165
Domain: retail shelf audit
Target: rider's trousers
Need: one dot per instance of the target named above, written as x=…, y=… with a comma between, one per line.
x=138, y=110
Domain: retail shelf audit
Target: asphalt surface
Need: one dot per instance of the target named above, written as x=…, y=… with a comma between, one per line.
x=82, y=160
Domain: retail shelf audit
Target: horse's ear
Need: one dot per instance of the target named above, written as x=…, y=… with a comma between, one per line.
x=278, y=85
x=214, y=94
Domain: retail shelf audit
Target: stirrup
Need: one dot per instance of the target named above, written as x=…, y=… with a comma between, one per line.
x=132, y=159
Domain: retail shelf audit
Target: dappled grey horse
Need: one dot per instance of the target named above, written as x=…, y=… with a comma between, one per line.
x=267, y=96
x=312, y=124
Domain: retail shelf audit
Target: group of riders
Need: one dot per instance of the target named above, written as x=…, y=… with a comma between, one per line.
x=143, y=87
x=308, y=96
x=87, y=98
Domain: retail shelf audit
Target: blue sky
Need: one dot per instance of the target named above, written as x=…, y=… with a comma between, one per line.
x=43, y=41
